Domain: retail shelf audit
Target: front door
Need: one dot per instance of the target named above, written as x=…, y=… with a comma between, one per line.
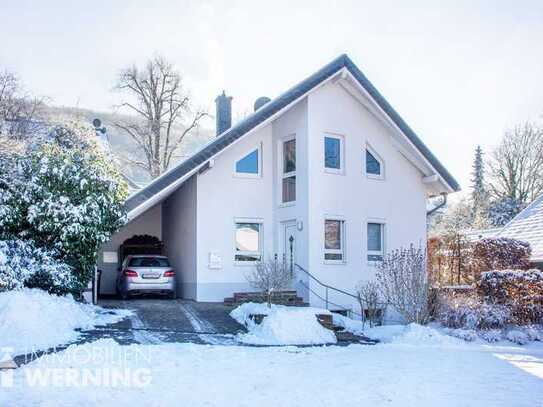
x=288, y=244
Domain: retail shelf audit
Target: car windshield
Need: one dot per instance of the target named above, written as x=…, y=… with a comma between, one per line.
x=149, y=262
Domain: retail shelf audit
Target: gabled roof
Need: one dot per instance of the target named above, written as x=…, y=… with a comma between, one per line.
x=271, y=108
x=528, y=226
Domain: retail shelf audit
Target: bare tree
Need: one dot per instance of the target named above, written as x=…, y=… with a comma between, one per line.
x=516, y=167
x=270, y=276
x=403, y=283
x=368, y=298
x=18, y=110
x=163, y=113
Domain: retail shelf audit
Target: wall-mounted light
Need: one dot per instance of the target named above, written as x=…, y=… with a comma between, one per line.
x=300, y=225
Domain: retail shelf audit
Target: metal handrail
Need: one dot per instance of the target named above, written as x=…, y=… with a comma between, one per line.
x=325, y=285
x=349, y=310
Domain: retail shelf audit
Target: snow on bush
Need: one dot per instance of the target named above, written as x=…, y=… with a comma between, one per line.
x=468, y=335
x=469, y=312
x=521, y=291
x=24, y=265
x=492, y=335
x=65, y=199
x=403, y=283
x=499, y=253
x=282, y=325
x=32, y=319
x=517, y=336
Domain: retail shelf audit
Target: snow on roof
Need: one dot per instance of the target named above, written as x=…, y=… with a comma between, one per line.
x=477, y=234
x=528, y=226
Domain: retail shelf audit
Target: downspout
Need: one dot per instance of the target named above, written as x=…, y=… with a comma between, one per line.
x=439, y=206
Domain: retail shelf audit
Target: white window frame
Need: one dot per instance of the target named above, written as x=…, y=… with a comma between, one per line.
x=381, y=252
x=343, y=236
x=380, y=176
x=341, y=138
x=258, y=221
x=282, y=174
x=245, y=154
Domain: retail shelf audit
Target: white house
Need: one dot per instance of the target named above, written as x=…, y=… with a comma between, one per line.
x=329, y=163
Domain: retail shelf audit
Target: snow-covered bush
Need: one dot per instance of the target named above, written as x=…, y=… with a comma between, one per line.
x=517, y=336
x=24, y=265
x=469, y=312
x=65, y=199
x=468, y=335
x=270, y=276
x=403, y=283
x=521, y=291
x=492, y=335
x=499, y=253
x=368, y=298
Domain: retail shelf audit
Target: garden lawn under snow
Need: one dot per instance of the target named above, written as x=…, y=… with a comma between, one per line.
x=282, y=325
x=418, y=367
x=32, y=319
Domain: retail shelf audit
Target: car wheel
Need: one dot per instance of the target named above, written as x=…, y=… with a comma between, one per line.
x=124, y=295
x=172, y=295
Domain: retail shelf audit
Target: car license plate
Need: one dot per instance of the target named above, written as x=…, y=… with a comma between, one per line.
x=147, y=275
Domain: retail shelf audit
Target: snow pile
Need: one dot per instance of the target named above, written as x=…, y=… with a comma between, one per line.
x=32, y=319
x=350, y=325
x=419, y=335
x=282, y=325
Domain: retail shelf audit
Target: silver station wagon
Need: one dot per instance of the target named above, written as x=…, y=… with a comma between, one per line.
x=146, y=274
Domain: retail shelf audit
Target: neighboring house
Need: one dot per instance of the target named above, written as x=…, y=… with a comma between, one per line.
x=328, y=166
x=528, y=226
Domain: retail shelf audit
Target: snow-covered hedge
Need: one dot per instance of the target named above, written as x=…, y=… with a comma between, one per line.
x=501, y=298
x=469, y=312
x=65, y=199
x=24, y=265
x=500, y=253
x=521, y=291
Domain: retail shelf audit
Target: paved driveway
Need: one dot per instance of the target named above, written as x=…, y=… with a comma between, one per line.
x=158, y=320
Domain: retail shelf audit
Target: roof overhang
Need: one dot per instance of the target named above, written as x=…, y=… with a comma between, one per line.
x=435, y=183
x=341, y=70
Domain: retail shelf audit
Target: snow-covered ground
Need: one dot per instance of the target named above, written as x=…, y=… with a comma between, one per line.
x=32, y=320
x=282, y=325
x=417, y=367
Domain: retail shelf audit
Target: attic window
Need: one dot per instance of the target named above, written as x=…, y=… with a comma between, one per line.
x=249, y=165
x=374, y=166
x=333, y=154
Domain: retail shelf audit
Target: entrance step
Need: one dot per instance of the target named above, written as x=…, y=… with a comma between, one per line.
x=279, y=297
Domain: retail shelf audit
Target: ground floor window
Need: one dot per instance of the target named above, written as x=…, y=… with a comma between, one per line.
x=375, y=241
x=334, y=236
x=248, y=241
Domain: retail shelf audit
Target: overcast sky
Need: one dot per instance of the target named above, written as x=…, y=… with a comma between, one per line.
x=458, y=72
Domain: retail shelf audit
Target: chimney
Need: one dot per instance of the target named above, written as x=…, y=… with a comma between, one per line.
x=224, y=112
x=261, y=101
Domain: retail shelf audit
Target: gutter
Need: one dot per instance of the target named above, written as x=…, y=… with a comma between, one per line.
x=438, y=206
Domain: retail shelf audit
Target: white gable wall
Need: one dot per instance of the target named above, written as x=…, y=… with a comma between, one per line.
x=223, y=197
x=293, y=123
x=399, y=200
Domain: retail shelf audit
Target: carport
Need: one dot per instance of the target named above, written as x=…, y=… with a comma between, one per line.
x=169, y=228
x=142, y=235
